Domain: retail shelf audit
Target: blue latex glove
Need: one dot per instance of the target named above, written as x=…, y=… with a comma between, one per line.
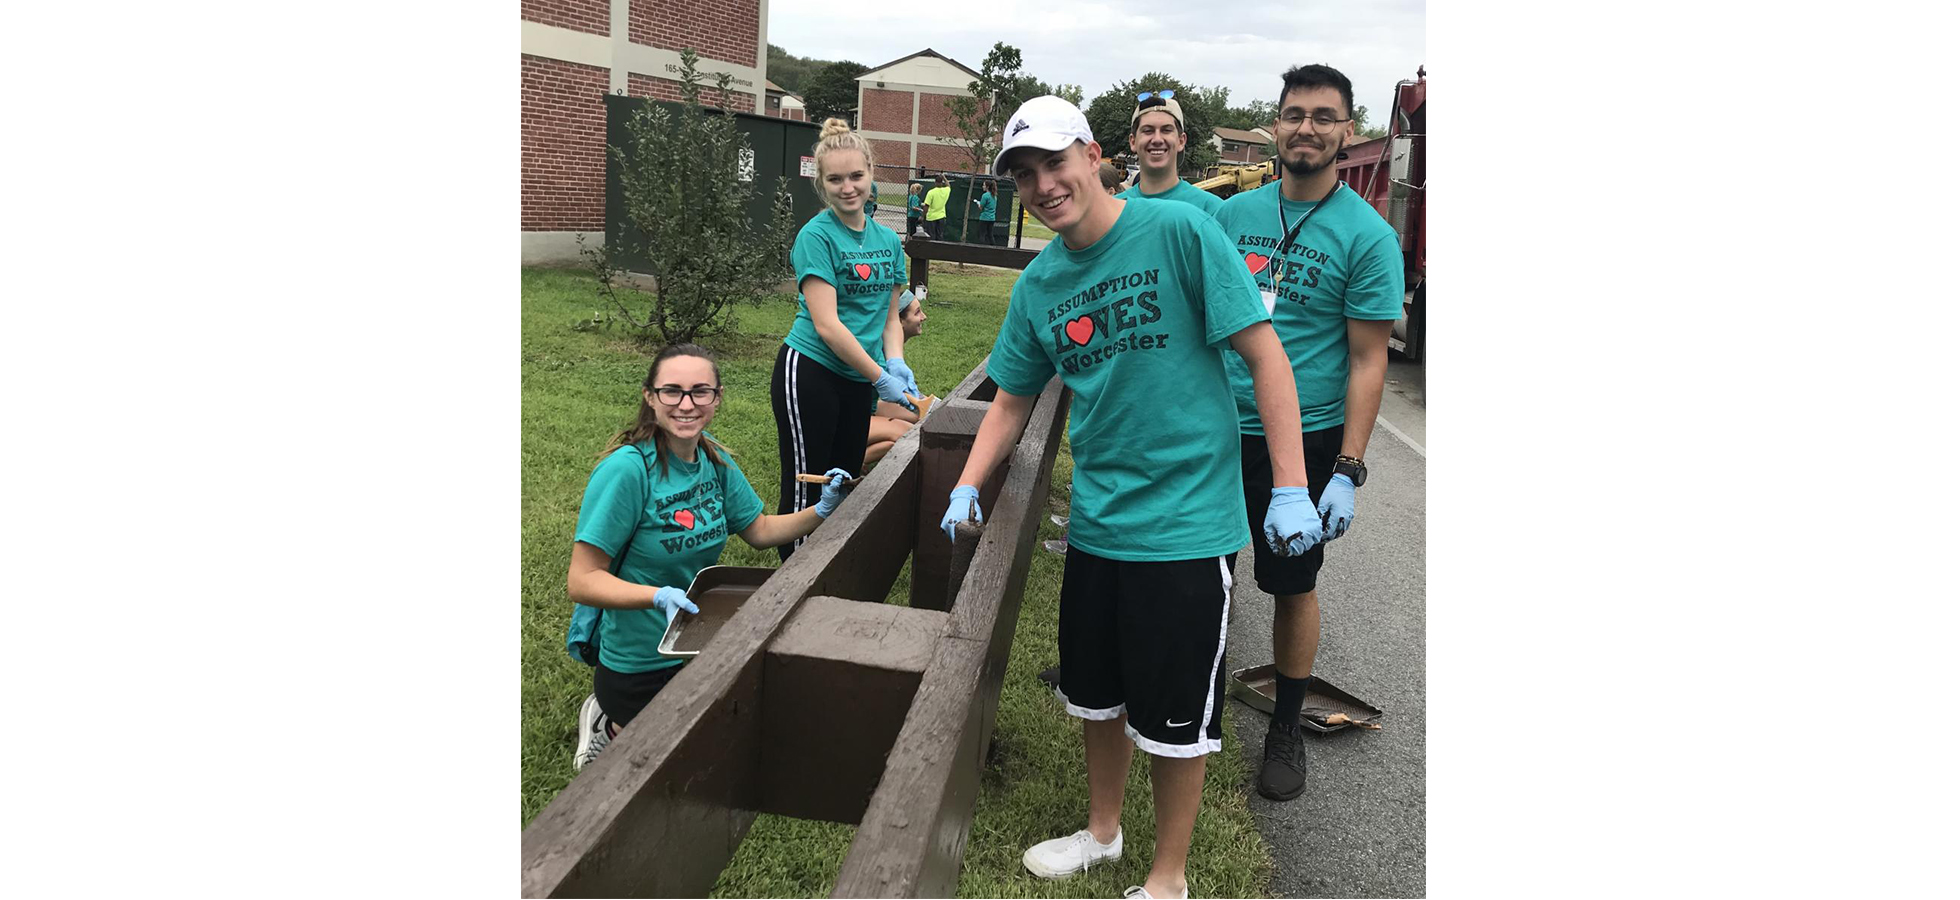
x=668, y=599
x=965, y=505
x=834, y=492
x=1337, y=506
x=896, y=366
x=1292, y=525
x=891, y=389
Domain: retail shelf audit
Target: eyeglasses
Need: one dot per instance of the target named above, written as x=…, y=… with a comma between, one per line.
x=1165, y=94
x=703, y=396
x=1323, y=122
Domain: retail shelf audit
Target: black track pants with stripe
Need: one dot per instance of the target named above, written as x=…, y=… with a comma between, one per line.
x=822, y=422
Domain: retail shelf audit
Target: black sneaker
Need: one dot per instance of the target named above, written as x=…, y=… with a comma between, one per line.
x=1051, y=676
x=1284, y=773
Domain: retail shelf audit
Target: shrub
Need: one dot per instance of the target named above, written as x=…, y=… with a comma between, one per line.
x=686, y=193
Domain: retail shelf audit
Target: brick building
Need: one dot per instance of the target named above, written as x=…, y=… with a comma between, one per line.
x=783, y=104
x=1238, y=146
x=576, y=51
x=902, y=110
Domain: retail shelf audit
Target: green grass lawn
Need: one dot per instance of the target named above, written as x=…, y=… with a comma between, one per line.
x=579, y=387
x=1034, y=228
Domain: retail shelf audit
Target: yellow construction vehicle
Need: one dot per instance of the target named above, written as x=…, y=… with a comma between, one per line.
x=1231, y=179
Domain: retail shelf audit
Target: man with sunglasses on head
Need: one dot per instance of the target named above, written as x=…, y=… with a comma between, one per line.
x=1330, y=270
x=1157, y=138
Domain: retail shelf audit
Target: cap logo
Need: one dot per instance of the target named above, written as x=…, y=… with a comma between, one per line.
x=1020, y=125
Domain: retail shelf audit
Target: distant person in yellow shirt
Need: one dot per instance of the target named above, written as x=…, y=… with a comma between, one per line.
x=936, y=200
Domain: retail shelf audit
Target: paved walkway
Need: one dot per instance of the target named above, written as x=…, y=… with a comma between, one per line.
x=1359, y=829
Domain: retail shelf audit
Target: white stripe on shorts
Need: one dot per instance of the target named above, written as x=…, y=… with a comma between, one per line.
x=797, y=455
x=1205, y=743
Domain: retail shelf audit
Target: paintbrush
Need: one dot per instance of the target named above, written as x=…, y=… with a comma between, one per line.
x=819, y=479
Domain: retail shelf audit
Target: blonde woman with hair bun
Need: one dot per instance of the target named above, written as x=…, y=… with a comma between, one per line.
x=844, y=350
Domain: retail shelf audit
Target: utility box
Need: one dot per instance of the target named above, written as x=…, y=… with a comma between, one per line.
x=777, y=148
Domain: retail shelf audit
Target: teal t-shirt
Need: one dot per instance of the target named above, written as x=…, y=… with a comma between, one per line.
x=1133, y=325
x=678, y=522
x=1345, y=264
x=1184, y=191
x=912, y=203
x=986, y=207
x=864, y=267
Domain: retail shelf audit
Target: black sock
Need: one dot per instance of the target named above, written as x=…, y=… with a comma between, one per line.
x=1289, y=694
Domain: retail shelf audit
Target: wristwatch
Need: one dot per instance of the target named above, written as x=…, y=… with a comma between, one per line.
x=1353, y=468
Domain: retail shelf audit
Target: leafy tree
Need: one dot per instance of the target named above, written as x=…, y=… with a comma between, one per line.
x=1215, y=99
x=1362, y=130
x=686, y=193
x=1070, y=92
x=1256, y=114
x=1109, y=118
x=833, y=91
x=982, y=113
x=791, y=72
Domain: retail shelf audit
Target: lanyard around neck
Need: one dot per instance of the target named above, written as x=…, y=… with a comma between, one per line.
x=1293, y=232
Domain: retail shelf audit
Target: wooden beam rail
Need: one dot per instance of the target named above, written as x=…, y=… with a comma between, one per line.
x=920, y=250
x=817, y=700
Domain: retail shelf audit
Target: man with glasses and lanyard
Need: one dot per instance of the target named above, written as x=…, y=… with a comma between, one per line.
x=1157, y=137
x=1330, y=269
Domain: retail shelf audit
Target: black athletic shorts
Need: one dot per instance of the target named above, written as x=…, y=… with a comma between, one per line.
x=822, y=420
x=1276, y=574
x=1147, y=638
x=623, y=694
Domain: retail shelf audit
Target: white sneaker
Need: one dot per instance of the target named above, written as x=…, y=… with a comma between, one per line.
x=1065, y=856
x=592, y=736
x=1136, y=891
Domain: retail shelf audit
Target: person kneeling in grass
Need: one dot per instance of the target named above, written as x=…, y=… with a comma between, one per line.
x=658, y=509
x=891, y=420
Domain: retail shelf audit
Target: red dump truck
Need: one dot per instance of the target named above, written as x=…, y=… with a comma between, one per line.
x=1389, y=173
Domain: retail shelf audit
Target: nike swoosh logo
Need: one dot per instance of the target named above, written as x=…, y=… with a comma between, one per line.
x=1170, y=724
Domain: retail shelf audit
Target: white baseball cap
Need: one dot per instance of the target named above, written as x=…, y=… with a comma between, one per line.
x=1049, y=123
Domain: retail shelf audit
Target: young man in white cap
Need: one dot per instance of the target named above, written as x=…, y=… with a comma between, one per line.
x=1331, y=270
x=1131, y=306
x=1157, y=138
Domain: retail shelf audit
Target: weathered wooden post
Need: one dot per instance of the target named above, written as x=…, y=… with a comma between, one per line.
x=817, y=700
x=919, y=252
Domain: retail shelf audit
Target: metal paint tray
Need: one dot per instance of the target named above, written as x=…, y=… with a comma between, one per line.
x=720, y=591
x=1255, y=688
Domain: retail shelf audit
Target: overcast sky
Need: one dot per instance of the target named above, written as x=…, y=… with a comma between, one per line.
x=1241, y=44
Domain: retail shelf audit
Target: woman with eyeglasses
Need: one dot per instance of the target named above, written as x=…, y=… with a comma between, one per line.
x=658, y=509
x=844, y=351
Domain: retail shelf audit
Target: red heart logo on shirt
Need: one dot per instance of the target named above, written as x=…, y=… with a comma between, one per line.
x=864, y=272
x=685, y=519
x=1256, y=263
x=1080, y=330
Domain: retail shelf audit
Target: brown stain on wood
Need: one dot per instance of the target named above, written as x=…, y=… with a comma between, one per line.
x=693, y=631
x=814, y=702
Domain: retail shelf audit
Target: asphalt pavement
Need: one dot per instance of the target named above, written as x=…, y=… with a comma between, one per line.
x=1359, y=828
